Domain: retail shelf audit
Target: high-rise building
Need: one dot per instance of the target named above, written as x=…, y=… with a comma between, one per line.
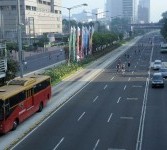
x=37, y=17
x=144, y=11
x=123, y=8
x=114, y=7
x=98, y=13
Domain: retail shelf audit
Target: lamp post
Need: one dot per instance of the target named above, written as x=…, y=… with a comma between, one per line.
x=69, y=21
x=19, y=39
x=96, y=17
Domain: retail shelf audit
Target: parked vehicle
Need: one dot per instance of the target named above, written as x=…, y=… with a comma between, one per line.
x=21, y=98
x=163, y=71
x=157, y=80
x=157, y=64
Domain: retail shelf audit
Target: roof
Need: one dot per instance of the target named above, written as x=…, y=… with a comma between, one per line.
x=157, y=74
x=19, y=84
x=157, y=60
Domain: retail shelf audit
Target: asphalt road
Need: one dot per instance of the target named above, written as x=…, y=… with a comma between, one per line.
x=42, y=60
x=114, y=112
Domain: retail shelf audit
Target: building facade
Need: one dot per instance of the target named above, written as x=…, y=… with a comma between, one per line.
x=98, y=14
x=114, y=7
x=37, y=17
x=123, y=8
x=144, y=11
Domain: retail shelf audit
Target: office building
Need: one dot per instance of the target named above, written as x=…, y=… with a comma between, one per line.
x=114, y=7
x=98, y=14
x=144, y=11
x=37, y=17
x=123, y=8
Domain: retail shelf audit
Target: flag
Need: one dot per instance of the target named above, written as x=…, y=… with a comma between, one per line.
x=74, y=44
x=70, y=44
x=82, y=43
x=78, y=43
x=90, y=39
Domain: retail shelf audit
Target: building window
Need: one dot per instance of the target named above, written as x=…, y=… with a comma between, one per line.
x=13, y=7
x=5, y=8
x=28, y=7
x=34, y=8
x=40, y=1
x=56, y=11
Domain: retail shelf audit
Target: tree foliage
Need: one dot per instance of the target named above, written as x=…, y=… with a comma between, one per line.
x=12, y=70
x=101, y=39
x=12, y=46
x=42, y=41
x=164, y=28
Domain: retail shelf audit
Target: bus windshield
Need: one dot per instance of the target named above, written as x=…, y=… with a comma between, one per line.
x=1, y=110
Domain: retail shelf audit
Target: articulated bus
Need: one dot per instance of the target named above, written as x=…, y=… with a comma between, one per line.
x=21, y=98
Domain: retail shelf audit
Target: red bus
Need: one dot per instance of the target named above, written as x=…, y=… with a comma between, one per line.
x=21, y=98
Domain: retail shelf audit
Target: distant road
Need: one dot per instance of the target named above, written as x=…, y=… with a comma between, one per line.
x=35, y=61
x=42, y=60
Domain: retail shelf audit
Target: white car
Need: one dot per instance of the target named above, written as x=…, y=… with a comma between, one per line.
x=157, y=64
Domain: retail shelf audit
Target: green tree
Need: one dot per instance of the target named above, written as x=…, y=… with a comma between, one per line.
x=12, y=46
x=13, y=68
x=103, y=39
x=43, y=41
x=164, y=28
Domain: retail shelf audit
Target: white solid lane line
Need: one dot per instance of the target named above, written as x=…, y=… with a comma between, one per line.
x=95, y=98
x=109, y=117
x=105, y=87
x=81, y=116
x=132, y=98
x=129, y=118
x=137, y=86
x=118, y=99
x=112, y=78
x=58, y=144
x=96, y=144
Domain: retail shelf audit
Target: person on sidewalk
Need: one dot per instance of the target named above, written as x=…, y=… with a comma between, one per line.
x=128, y=65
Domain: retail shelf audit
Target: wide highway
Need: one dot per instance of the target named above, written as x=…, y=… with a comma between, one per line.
x=115, y=111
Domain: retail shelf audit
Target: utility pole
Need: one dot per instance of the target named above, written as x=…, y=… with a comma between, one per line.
x=19, y=31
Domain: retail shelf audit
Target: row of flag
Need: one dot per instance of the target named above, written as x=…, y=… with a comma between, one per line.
x=80, y=42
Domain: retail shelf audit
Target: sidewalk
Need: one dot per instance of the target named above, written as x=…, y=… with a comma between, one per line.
x=62, y=93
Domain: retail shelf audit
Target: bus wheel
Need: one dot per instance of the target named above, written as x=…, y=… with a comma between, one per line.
x=15, y=124
x=40, y=107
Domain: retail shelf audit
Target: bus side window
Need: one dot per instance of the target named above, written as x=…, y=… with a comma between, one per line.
x=41, y=86
x=14, y=100
x=28, y=93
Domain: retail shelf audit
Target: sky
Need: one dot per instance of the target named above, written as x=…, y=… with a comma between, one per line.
x=157, y=7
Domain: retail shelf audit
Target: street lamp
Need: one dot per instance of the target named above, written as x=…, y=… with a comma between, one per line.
x=69, y=11
x=19, y=25
x=96, y=24
x=69, y=24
